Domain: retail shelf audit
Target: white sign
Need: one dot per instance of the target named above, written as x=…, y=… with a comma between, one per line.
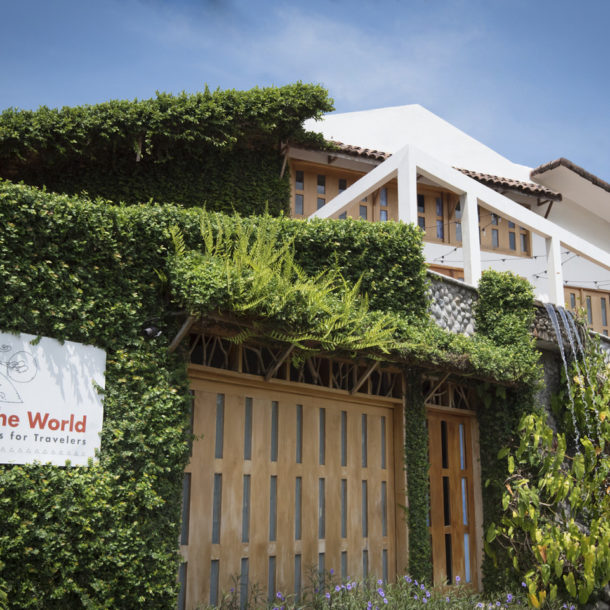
x=50, y=407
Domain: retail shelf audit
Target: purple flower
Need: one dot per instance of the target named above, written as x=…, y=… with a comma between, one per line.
x=381, y=592
x=422, y=586
x=509, y=598
x=380, y=582
x=327, y=595
x=498, y=604
x=385, y=600
x=369, y=605
x=479, y=605
x=408, y=578
x=332, y=571
x=349, y=586
x=427, y=593
x=279, y=595
x=337, y=588
x=425, y=600
x=447, y=600
x=416, y=583
x=415, y=596
x=457, y=579
x=523, y=584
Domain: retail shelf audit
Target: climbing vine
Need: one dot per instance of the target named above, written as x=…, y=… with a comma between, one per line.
x=556, y=499
x=189, y=149
x=418, y=492
x=90, y=271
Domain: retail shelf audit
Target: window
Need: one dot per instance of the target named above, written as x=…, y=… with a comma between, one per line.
x=524, y=242
x=342, y=184
x=299, y=180
x=383, y=215
x=458, y=224
x=421, y=212
x=440, y=229
x=321, y=184
x=343, y=216
x=495, y=241
x=512, y=244
x=298, y=204
x=495, y=219
x=321, y=202
x=363, y=212
x=439, y=206
x=440, y=219
x=595, y=303
x=383, y=197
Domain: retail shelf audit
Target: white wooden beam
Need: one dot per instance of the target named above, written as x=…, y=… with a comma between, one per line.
x=459, y=183
x=554, y=272
x=407, y=188
x=363, y=187
x=471, y=245
x=410, y=161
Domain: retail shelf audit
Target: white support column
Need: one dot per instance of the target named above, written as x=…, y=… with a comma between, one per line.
x=554, y=271
x=471, y=245
x=407, y=188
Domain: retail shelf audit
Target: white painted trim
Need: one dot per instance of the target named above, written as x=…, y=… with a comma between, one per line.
x=554, y=271
x=410, y=161
x=471, y=245
x=363, y=187
x=407, y=188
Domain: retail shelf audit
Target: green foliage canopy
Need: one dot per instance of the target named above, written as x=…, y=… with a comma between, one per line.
x=86, y=270
x=556, y=499
x=190, y=149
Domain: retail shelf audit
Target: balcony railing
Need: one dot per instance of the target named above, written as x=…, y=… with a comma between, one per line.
x=409, y=162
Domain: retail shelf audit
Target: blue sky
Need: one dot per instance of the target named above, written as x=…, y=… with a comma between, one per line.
x=527, y=77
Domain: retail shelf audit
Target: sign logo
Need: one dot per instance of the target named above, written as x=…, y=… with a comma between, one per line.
x=51, y=407
x=20, y=367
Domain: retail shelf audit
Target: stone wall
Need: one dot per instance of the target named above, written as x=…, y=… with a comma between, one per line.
x=451, y=306
x=452, y=303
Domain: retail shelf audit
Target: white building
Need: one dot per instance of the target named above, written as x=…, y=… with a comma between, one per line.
x=549, y=224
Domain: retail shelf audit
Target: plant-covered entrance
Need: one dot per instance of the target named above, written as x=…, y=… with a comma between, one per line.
x=288, y=480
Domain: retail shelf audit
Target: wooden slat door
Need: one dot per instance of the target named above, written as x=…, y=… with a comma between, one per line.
x=283, y=484
x=452, y=499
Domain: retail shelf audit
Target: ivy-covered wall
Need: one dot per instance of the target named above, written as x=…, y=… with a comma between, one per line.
x=219, y=149
x=106, y=536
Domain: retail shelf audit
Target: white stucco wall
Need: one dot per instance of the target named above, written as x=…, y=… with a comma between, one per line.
x=389, y=129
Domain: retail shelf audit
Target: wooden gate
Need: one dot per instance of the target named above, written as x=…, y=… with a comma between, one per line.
x=453, y=518
x=288, y=480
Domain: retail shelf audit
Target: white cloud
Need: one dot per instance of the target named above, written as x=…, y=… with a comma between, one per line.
x=363, y=67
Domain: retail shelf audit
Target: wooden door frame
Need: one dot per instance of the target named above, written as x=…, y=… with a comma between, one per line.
x=476, y=483
x=199, y=374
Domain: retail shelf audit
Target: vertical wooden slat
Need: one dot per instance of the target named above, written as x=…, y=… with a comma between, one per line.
x=286, y=471
x=200, y=545
x=262, y=470
x=279, y=563
x=332, y=475
x=230, y=550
